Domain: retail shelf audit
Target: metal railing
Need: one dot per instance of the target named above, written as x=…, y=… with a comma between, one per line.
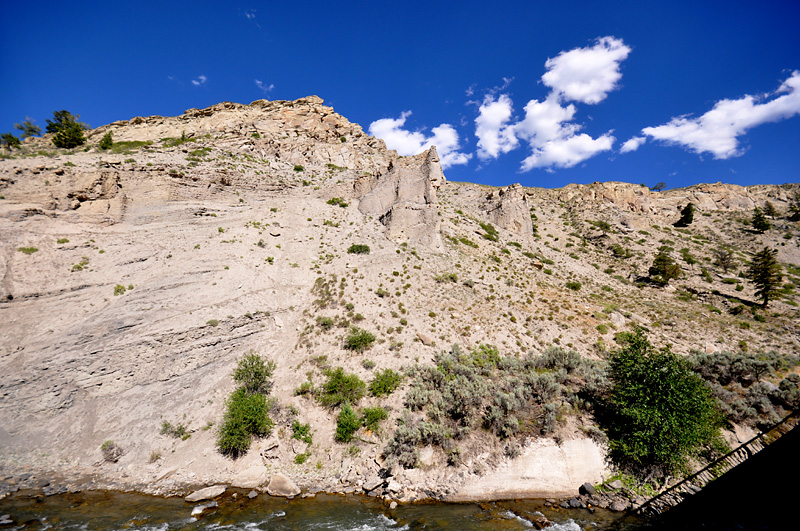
x=693, y=484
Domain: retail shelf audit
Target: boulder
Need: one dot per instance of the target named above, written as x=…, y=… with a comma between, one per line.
x=208, y=493
x=250, y=478
x=587, y=488
x=616, y=484
x=281, y=485
x=426, y=340
x=618, y=506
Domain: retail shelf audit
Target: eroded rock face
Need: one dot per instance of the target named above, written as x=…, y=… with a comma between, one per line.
x=508, y=208
x=404, y=199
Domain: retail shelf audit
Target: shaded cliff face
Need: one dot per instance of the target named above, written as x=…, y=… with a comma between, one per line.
x=228, y=229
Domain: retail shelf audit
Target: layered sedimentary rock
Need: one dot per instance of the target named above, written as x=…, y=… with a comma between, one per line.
x=508, y=208
x=404, y=199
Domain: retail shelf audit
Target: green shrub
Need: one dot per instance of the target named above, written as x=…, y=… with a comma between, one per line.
x=385, y=382
x=301, y=432
x=358, y=248
x=301, y=458
x=62, y=240
x=326, y=323
x=491, y=232
x=253, y=373
x=446, y=277
x=246, y=416
x=337, y=201
x=106, y=142
x=359, y=340
x=603, y=329
x=347, y=423
x=178, y=432
x=658, y=413
x=27, y=250
x=212, y=322
x=468, y=242
x=298, y=167
x=574, y=285
x=371, y=417
x=119, y=289
x=341, y=387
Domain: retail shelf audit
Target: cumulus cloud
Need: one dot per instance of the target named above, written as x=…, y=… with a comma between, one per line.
x=263, y=87
x=718, y=130
x=633, y=144
x=587, y=75
x=566, y=152
x=584, y=75
x=201, y=80
x=495, y=133
x=406, y=142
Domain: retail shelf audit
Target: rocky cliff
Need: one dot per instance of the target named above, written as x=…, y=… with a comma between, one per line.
x=131, y=280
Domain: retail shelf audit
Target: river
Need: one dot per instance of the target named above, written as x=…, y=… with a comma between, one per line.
x=103, y=510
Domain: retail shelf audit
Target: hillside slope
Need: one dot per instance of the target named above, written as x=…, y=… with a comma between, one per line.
x=199, y=238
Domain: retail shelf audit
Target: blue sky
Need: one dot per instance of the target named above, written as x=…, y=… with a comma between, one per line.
x=541, y=93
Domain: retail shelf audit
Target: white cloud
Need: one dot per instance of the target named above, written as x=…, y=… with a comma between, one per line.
x=201, y=80
x=263, y=87
x=717, y=131
x=587, y=74
x=250, y=14
x=583, y=75
x=633, y=144
x=495, y=134
x=405, y=142
x=567, y=152
x=545, y=121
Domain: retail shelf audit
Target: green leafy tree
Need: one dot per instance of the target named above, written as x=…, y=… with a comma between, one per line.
x=687, y=216
x=664, y=267
x=9, y=140
x=247, y=409
x=254, y=372
x=28, y=128
x=759, y=221
x=658, y=412
x=659, y=186
x=68, y=131
x=765, y=273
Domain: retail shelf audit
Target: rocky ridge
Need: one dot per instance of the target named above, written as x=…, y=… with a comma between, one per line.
x=227, y=230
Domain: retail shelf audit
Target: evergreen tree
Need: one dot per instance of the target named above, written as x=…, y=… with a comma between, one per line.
x=9, y=140
x=759, y=221
x=687, y=216
x=68, y=130
x=28, y=129
x=769, y=210
x=724, y=258
x=765, y=273
x=659, y=186
x=794, y=208
x=664, y=267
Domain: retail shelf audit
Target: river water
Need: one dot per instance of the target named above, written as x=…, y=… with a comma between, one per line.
x=98, y=510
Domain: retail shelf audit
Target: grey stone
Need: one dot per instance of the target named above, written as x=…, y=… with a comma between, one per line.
x=616, y=484
x=252, y=494
x=618, y=506
x=372, y=483
x=587, y=488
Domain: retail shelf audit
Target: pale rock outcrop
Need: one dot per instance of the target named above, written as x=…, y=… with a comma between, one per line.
x=544, y=469
x=508, y=208
x=404, y=200
x=280, y=485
